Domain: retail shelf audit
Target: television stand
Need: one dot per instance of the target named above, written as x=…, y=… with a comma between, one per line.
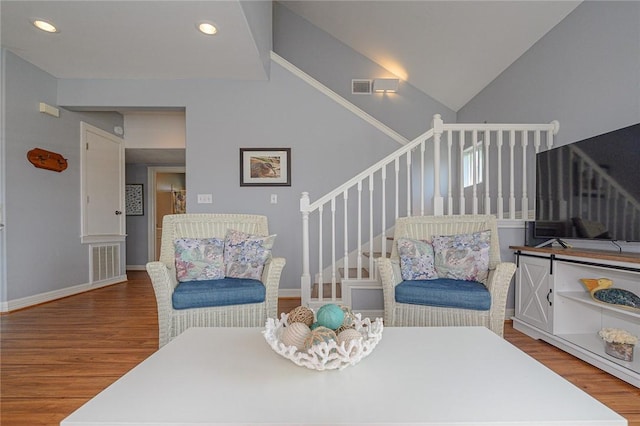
x=553, y=305
x=548, y=243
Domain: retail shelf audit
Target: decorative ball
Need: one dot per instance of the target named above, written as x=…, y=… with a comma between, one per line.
x=330, y=316
x=314, y=326
x=319, y=335
x=349, y=319
x=345, y=309
x=301, y=314
x=348, y=335
x=295, y=335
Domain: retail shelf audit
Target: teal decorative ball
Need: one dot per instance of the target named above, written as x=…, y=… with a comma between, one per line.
x=330, y=316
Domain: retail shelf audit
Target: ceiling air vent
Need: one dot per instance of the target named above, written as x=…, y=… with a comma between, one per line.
x=361, y=87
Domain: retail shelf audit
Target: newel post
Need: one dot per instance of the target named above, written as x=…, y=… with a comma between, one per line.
x=305, y=280
x=438, y=129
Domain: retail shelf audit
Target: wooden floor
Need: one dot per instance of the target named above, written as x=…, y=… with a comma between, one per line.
x=58, y=355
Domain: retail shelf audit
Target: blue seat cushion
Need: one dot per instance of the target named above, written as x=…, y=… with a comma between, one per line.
x=222, y=292
x=446, y=293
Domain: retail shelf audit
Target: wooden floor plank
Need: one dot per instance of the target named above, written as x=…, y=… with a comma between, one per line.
x=56, y=356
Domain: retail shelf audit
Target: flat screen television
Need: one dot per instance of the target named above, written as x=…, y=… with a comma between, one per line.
x=590, y=189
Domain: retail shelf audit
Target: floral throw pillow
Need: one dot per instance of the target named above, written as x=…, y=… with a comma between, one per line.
x=463, y=256
x=416, y=260
x=246, y=254
x=199, y=259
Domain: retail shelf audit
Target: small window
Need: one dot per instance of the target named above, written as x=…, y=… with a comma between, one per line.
x=468, y=158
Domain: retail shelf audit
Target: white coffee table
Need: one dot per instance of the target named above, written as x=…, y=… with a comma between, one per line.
x=416, y=376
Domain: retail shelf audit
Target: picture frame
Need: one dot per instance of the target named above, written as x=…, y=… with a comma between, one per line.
x=265, y=166
x=134, y=199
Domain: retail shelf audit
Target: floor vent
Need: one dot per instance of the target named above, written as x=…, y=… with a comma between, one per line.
x=361, y=87
x=105, y=262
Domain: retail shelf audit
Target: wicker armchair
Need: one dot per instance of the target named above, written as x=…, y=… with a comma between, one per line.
x=423, y=228
x=172, y=321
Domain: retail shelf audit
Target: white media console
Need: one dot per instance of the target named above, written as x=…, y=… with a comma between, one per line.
x=554, y=306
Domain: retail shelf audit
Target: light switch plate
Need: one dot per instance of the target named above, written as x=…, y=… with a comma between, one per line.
x=205, y=198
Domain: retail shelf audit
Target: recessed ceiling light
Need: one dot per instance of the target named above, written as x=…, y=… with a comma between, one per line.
x=207, y=28
x=45, y=26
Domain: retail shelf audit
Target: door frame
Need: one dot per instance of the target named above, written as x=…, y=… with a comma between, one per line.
x=152, y=172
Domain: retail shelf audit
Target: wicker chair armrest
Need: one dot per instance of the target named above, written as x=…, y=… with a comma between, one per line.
x=271, y=280
x=498, y=284
x=390, y=277
x=164, y=281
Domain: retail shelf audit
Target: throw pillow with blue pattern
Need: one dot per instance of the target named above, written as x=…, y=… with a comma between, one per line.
x=199, y=259
x=463, y=256
x=416, y=260
x=246, y=254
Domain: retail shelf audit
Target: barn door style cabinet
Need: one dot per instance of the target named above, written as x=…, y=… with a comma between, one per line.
x=554, y=306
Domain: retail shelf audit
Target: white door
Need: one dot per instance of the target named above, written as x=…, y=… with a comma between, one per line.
x=102, y=184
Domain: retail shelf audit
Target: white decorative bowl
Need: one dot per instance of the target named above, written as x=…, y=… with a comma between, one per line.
x=326, y=355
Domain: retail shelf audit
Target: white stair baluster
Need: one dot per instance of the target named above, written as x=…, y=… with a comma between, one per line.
x=345, y=262
x=512, y=194
x=487, y=186
x=461, y=208
x=525, y=197
x=474, y=171
x=333, y=249
x=359, y=248
x=449, y=173
x=500, y=183
x=437, y=126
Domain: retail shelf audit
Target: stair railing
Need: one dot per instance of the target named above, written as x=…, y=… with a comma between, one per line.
x=414, y=180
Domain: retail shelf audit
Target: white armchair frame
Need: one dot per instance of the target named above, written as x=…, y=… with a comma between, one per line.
x=423, y=228
x=172, y=322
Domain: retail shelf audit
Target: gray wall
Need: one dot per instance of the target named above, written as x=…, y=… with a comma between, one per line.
x=137, y=227
x=328, y=143
x=317, y=53
x=585, y=73
x=43, y=250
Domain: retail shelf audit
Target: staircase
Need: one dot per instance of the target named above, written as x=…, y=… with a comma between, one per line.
x=347, y=228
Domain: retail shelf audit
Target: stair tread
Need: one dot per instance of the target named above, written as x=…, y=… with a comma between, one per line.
x=353, y=273
x=326, y=291
x=376, y=254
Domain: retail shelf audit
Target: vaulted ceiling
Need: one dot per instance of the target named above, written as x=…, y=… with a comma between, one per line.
x=448, y=49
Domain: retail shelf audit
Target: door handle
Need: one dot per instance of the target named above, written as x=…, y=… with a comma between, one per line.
x=118, y=212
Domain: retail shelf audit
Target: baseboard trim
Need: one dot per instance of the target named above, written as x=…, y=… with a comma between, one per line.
x=37, y=299
x=289, y=293
x=136, y=267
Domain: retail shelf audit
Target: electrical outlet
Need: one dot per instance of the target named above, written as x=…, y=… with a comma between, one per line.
x=205, y=198
x=274, y=198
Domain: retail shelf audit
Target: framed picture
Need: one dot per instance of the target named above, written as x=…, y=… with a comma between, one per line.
x=134, y=199
x=265, y=166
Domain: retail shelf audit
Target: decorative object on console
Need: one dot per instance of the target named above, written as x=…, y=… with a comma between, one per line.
x=618, y=343
x=322, y=348
x=600, y=291
x=48, y=160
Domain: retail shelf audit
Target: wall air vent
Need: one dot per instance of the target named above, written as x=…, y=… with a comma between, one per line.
x=361, y=87
x=105, y=262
